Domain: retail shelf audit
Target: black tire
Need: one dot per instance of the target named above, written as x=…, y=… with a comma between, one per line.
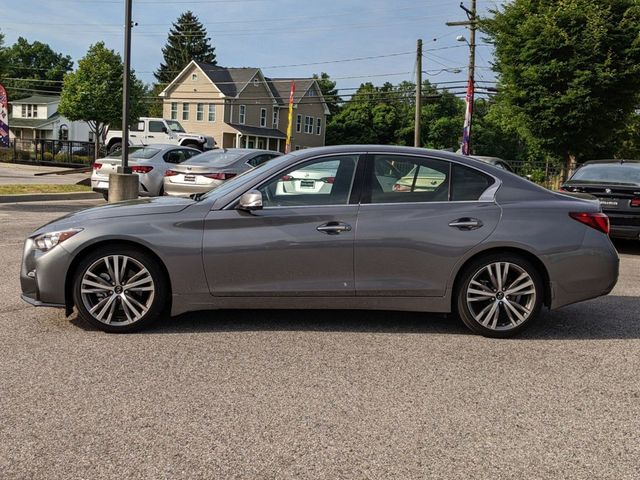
x=505, y=326
x=114, y=147
x=157, y=300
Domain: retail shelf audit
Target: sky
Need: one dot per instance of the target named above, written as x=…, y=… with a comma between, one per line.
x=270, y=34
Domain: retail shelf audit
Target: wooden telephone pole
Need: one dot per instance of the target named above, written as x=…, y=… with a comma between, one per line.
x=418, y=126
x=472, y=24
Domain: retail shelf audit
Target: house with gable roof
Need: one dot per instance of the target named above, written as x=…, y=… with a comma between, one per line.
x=241, y=108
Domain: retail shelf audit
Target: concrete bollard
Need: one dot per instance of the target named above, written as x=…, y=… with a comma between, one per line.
x=123, y=186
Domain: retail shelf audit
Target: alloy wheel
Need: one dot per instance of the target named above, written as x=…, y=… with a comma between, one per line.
x=501, y=296
x=117, y=290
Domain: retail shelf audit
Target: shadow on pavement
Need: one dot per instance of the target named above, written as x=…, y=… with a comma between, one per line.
x=611, y=317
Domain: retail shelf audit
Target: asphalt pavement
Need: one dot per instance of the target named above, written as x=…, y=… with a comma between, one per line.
x=316, y=394
x=15, y=173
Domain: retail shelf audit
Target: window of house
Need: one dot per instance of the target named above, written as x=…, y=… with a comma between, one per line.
x=242, y=114
x=194, y=77
x=212, y=112
x=318, y=126
x=200, y=112
x=312, y=92
x=24, y=111
x=174, y=110
x=308, y=124
x=185, y=111
x=275, y=118
x=263, y=117
x=298, y=123
x=256, y=82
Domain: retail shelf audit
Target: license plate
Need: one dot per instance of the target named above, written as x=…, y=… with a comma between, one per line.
x=611, y=203
x=189, y=178
x=307, y=183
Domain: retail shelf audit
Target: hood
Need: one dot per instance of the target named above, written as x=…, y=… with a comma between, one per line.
x=144, y=206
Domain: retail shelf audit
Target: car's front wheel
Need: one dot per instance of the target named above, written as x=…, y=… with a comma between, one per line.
x=119, y=289
x=499, y=295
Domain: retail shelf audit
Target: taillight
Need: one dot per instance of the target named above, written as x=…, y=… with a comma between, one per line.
x=401, y=188
x=599, y=221
x=287, y=178
x=562, y=190
x=635, y=202
x=220, y=176
x=328, y=179
x=141, y=169
x=170, y=173
x=97, y=166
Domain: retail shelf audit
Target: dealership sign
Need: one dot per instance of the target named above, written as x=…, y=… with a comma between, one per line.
x=4, y=118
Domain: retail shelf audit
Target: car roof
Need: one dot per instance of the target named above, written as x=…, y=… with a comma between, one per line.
x=610, y=162
x=162, y=146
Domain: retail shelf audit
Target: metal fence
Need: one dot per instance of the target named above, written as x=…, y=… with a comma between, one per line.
x=547, y=174
x=49, y=152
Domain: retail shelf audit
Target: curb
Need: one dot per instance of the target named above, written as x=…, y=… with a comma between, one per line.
x=49, y=197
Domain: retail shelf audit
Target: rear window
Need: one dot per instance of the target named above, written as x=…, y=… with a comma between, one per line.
x=219, y=158
x=467, y=184
x=142, y=153
x=611, y=173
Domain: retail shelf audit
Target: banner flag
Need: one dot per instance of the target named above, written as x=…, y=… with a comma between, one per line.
x=287, y=147
x=4, y=118
x=466, y=131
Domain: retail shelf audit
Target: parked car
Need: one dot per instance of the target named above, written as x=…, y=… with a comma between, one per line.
x=486, y=244
x=150, y=163
x=616, y=184
x=147, y=131
x=211, y=169
x=495, y=161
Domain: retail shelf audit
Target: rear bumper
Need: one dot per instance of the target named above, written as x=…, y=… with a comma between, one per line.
x=624, y=225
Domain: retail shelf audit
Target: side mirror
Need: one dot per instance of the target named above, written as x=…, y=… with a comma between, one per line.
x=164, y=129
x=251, y=200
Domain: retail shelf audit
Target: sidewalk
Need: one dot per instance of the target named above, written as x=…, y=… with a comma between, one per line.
x=13, y=173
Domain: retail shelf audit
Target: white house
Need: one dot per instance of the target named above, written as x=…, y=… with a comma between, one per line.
x=37, y=117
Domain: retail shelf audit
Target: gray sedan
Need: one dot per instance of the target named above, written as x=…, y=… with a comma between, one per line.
x=211, y=169
x=484, y=243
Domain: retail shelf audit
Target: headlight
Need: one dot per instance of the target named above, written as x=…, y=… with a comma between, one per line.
x=47, y=241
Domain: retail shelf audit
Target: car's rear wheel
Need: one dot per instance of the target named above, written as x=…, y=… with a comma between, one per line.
x=119, y=289
x=114, y=147
x=499, y=295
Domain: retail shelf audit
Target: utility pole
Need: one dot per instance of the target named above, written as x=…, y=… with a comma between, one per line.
x=418, y=126
x=124, y=184
x=472, y=24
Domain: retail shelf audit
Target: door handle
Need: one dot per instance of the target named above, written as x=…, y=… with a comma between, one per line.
x=150, y=136
x=466, y=223
x=334, y=228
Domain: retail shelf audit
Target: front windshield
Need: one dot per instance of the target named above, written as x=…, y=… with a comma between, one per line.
x=142, y=153
x=175, y=126
x=238, y=180
x=622, y=174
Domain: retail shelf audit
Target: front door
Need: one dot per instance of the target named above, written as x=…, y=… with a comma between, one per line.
x=299, y=244
x=418, y=217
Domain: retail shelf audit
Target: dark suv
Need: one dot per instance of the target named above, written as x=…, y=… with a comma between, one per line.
x=616, y=183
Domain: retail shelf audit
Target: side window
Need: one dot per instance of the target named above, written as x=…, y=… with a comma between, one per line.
x=155, y=126
x=137, y=127
x=396, y=179
x=259, y=160
x=188, y=153
x=324, y=181
x=175, y=156
x=468, y=184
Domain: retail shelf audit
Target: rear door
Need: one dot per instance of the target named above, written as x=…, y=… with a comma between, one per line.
x=299, y=244
x=418, y=217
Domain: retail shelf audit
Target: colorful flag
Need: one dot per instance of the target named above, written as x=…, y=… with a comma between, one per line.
x=287, y=147
x=466, y=131
x=4, y=118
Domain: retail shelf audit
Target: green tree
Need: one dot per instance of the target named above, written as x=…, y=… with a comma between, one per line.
x=37, y=66
x=93, y=93
x=569, y=72
x=187, y=41
x=3, y=56
x=329, y=91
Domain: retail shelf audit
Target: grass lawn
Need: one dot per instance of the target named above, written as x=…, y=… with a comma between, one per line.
x=14, y=189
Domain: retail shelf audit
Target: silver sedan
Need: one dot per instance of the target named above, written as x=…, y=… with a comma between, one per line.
x=211, y=169
x=149, y=162
x=484, y=243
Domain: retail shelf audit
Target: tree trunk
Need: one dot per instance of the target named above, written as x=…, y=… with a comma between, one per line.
x=569, y=166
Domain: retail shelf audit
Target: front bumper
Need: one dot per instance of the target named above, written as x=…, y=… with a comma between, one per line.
x=43, y=275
